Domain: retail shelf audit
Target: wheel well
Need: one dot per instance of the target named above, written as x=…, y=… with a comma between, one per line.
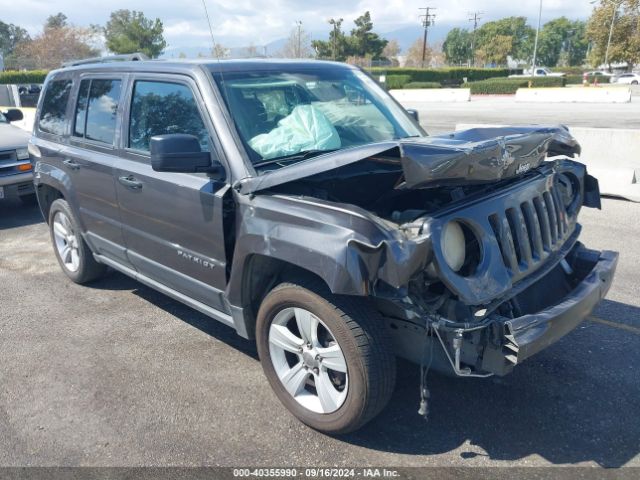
x=46, y=196
x=261, y=274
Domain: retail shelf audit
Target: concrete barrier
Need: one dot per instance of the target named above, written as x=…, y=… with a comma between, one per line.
x=432, y=95
x=29, y=118
x=612, y=155
x=574, y=95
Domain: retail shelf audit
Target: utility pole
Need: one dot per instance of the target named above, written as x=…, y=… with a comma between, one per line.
x=336, y=27
x=475, y=19
x=299, y=43
x=428, y=19
x=535, y=46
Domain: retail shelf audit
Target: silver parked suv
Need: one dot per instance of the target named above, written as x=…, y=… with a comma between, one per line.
x=298, y=203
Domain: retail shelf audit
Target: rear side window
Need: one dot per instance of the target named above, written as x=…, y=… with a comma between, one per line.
x=53, y=116
x=96, y=110
x=159, y=108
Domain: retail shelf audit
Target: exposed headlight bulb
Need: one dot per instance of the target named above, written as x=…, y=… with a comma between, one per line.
x=453, y=245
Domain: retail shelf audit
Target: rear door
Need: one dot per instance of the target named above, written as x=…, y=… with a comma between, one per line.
x=172, y=222
x=90, y=157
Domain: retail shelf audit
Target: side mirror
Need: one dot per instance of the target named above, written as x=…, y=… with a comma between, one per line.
x=14, y=115
x=413, y=114
x=179, y=152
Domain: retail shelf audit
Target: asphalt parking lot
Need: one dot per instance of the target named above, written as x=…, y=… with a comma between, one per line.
x=117, y=374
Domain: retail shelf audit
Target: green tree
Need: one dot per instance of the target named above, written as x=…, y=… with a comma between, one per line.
x=522, y=39
x=562, y=42
x=497, y=51
x=130, y=31
x=364, y=42
x=625, y=41
x=457, y=46
x=10, y=37
x=336, y=48
x=58, y=20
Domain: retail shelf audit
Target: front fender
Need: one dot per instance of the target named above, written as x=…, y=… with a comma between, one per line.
x=347, y=247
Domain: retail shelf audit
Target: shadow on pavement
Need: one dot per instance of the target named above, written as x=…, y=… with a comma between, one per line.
x=574, y=402
x=14, y=214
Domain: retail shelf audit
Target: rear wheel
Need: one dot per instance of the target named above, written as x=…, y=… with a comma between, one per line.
x=326, y=357
x=73, y=254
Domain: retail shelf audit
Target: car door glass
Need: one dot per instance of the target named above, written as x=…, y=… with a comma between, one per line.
x=159, y=108
x=53, y=115
x=102, y=108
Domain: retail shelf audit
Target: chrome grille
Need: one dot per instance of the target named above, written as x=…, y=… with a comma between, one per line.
x=529, y=232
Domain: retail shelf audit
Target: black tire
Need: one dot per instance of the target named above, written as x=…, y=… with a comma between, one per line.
x=635, y=82
x=361, y=334
x=29, y=199
x=89, y=269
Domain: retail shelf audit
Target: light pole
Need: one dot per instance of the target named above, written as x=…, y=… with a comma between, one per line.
x=613, y=21
x=535, y=45
x=429, y=20
x=299, y=46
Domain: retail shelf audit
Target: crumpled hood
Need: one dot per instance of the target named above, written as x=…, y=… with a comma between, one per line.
x=12, y=137
x=482, y=155
x=478, y=155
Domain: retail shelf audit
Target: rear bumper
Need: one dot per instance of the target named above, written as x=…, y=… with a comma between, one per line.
x=525, y=336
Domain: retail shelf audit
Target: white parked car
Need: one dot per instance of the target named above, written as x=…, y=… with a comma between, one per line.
x=627, y=79
x=539, y=72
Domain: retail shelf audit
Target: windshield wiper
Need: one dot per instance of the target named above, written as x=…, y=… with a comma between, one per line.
x=305, y=154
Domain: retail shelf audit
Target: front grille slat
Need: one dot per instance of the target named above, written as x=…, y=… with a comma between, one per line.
x=529, y=231
x=502, y=231
x=522, y=242
x=533, y=224
x=553, y=218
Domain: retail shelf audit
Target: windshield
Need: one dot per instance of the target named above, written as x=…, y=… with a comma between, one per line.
x=294, y=112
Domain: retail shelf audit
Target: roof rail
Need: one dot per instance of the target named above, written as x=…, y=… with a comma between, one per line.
x=128, y=57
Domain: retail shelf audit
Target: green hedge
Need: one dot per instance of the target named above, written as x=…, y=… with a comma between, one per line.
x=397, y=81
x=15, y=77
x=442, y=75
x=423, y=85
x=509, y=86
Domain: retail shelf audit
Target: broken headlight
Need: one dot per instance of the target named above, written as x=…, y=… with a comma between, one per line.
x=453, y=245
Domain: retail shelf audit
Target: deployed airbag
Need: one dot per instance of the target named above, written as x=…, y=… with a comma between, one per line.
x=305, y=128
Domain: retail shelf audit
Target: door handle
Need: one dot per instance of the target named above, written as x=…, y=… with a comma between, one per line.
x=130, y=182
x=73, y=165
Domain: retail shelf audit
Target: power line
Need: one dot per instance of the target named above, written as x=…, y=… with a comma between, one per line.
x=474, y=17
x=428, y=19
x=213, y=40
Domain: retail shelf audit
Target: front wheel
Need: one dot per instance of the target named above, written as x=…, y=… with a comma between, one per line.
x=326, y=356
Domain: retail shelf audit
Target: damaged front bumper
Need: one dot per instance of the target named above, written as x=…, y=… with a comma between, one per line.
x=524, y=336
x=496, y=344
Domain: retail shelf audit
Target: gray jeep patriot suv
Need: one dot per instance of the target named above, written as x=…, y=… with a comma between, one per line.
x=299, y=204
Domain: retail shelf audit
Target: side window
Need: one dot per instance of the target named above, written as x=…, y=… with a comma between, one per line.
x=159, y=108
x=53, y=116
x=96, y=110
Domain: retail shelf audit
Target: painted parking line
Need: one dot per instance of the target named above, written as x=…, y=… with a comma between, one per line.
x=609, y=323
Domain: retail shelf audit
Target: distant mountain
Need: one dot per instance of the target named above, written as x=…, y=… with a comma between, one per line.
x=404, y=35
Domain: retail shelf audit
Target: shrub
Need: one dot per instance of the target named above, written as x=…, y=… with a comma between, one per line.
x=397, y=81
x=15, y=77
x=575, y=79
x=423, y=85
x=453, y=75
x=509, y=86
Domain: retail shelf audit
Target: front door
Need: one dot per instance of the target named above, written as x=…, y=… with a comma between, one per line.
x=172, y=222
